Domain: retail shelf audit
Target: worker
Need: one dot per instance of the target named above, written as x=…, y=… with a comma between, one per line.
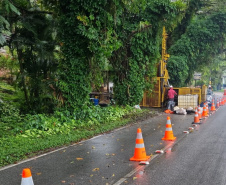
x=210, y=87
x=112, y=101
x=171, y=95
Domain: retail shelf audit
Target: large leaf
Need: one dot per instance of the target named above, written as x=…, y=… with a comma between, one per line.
x=3, y=20
x=14, y=9
x=2, y=39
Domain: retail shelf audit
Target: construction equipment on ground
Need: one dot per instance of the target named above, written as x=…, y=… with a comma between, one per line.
x=158, y=96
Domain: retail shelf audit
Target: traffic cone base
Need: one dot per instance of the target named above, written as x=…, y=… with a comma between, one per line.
x=139, y=153
x=196, y=123
x=168, y=111
x=139, y=158
x=169, y=131
x=172, y=138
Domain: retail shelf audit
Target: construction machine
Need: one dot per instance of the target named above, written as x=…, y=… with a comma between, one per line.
x=158, y=96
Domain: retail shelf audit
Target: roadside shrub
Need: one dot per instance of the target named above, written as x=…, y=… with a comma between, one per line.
x=33, y=134
x=9, y=113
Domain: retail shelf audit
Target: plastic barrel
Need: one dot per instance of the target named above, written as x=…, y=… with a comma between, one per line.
x=96, y=101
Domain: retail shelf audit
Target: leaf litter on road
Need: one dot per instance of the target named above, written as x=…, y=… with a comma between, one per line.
x=96, y=169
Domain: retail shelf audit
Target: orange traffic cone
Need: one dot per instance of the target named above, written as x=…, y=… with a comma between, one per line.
x=26, y=177
x=204, y=112
x=169, y=131
x=168, y=111
x=139, y=153
x=217, y=104
x=221, y=103
x=200, y=112
x=196, y=118
x=207, y=108
x=213, y=106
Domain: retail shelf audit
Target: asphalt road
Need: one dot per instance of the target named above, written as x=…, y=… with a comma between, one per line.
x=199, y=158
x=194, y=158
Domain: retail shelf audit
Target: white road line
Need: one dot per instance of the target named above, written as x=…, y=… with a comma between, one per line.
x=133, y=172
x=24, y=161
x=42, y=155
x=121, y=180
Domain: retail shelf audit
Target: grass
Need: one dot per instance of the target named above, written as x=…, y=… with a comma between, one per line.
x=16, y=148
x=222, y=90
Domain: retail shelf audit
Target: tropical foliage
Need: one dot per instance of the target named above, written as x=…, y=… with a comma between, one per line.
x=58, y=51
x=124, y=34
x=63, y=47
x=202, y=42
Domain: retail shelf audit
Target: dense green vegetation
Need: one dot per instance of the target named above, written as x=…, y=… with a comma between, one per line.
x=110, y=32
x=23, y=136
x=198, y=47
x=59, y=51
x=198, y=44
x=62, y=48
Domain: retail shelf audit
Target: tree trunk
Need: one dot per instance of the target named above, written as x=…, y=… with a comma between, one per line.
x=19, y=52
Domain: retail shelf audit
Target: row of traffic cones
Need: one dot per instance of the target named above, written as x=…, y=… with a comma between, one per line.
x=200, y=114
x=222, y=101
x=140, y=153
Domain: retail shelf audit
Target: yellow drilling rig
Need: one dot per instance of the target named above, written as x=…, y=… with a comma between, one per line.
x=158, y=96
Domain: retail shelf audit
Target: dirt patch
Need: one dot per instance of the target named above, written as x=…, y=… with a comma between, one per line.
x=4, y=72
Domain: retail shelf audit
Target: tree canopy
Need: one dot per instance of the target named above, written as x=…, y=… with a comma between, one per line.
x=62, y=48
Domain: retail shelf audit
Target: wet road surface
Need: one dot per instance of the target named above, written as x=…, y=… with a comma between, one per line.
x=194, y=158
x=199, y=158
